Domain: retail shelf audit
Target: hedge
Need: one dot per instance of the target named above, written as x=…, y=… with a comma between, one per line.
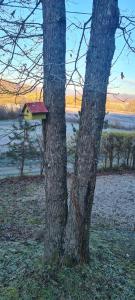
x=117, y=149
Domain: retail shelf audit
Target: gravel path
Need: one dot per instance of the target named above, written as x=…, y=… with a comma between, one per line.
x=22, y=204
x=114, y=201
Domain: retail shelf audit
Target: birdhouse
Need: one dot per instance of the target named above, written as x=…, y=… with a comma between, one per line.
x=34, y=111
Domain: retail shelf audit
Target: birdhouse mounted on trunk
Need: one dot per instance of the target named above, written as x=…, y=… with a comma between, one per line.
x=34, y=111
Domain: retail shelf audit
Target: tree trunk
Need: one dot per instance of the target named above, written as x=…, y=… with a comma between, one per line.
x=105, y=162
x=22, y=167
x=118, y=160
x=111, y=159
x=23, y=153
x=105, y=19
x=54, y=49
x=133, y=157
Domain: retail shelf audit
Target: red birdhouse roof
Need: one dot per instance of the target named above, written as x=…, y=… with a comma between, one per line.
x=36, y=107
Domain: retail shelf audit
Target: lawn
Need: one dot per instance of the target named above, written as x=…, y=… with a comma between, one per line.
x=109, y=275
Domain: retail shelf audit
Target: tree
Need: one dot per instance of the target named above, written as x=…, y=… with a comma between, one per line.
x=105, y=21
x=101, y=48
x=41, y=156
x=54, y=130
x=21, y=145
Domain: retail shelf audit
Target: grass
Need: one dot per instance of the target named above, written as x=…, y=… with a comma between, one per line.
x=110, y=274
x=23, y=276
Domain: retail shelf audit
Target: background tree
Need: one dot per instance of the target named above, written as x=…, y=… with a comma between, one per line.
x=40, y=149
x=21, y=145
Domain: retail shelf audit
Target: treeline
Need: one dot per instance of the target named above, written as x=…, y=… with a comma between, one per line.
x=9, y=113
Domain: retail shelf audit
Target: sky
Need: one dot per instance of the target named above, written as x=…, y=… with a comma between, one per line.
x=125, y=63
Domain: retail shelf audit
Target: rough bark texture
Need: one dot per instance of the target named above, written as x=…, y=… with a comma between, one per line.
x=105, y=18
x=54, y=28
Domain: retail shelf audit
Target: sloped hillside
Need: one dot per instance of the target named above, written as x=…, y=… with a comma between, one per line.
x=9, y=90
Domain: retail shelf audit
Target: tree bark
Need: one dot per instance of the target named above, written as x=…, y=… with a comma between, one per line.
x=54, y=49
x=105, y=19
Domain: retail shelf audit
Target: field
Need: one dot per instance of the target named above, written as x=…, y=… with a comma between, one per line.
x=115, y=103
x=111, y=272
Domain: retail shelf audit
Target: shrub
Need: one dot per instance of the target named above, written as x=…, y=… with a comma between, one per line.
x=8, y=113
x=117, y=149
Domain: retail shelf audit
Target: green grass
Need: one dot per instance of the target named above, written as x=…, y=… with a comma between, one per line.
x=109, y=275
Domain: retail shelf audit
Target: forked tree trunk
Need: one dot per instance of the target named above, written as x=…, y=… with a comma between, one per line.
x=54, y=28
x=105, y=19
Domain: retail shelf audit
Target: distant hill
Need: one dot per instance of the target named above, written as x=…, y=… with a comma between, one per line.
x=9, y=90
x=121, y=103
